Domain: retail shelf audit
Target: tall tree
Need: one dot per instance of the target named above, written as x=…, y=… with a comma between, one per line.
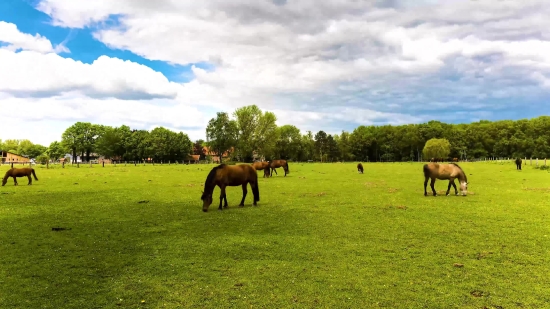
x=221, y=134
x=257, y=131
x=11, y=145
x=321, y=144
x=288, y=143
x=56, y=151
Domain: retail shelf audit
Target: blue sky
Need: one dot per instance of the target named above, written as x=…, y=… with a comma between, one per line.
x=80, y=42
x=331, y=66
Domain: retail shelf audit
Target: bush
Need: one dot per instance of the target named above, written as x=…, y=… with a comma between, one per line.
x=43, y=158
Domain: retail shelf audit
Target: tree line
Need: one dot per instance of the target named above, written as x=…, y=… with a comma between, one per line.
x=249, y=134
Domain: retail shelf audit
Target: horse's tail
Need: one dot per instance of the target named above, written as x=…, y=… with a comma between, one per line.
x=34, y=174
x=256, y=191
x=426, y=170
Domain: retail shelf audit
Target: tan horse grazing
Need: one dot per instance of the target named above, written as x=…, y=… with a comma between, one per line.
x=360, y=168
x=279, y=163
x=518, y=164
x=445, y=171
x=19, y=172
x=259, y=166
x=229, y=175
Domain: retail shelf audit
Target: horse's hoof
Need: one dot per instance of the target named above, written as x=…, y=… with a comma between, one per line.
x=241, y=205
x=447, y=194
x=205, y=210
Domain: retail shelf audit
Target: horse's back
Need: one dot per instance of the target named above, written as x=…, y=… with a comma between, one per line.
x=238, y=174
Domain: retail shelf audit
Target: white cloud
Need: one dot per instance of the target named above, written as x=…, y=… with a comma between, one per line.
x=17, y=40
x=317, y=63
x=30, y=73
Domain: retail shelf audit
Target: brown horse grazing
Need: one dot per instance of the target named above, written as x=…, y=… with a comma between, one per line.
x=455, y=159
x=360, y=168
x=229, y=175
x=259, y=166
x=445, y=171
x=518, y=164
x=279, y=163
x=19, y=172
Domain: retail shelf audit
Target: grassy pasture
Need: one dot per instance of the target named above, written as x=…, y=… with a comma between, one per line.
x=323, y=237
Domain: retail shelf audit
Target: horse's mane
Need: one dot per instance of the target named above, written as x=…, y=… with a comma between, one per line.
x=208, y=184
x=465, y=177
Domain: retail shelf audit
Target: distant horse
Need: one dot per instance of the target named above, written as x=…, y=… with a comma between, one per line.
x=259, y=166
x=19, y=172
x=455, y=159
x=229, y=175
x=443, y=172
x=279, y=163
x=518, y=164
x=360, y=168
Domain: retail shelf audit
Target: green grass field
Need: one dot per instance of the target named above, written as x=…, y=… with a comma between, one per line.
x=323, y=237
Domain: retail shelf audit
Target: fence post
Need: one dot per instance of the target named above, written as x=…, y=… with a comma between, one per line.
x=537, y=162
x=78, y=164
x=531, y=161
x=90, y=163
x=63, y=164
x=48, y=164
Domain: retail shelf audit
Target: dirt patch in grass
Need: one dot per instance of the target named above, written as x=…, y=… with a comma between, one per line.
x=313, y=194
x=538, y=189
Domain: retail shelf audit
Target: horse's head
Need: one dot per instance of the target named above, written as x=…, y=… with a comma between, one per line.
x=206, y=201
x=464, y=187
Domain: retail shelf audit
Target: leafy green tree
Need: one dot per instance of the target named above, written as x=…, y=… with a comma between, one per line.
x=288, y=144
x=11, y=145
x=139, y=145
x=333, y=153
x=56, y=151
x=321, y=145
x=221, y=134
x=257, y=131
x=437, y=148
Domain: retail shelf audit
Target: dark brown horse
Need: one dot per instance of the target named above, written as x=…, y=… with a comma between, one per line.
x=279, y=163
x=518, y=164
x=259, y=166
x=19, y=172
x=229, y=175
x=445, y=171
x=360, y=168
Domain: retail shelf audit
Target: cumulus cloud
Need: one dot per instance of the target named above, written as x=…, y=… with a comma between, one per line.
x=15, y=40
x=391, y=61
x=30, y=73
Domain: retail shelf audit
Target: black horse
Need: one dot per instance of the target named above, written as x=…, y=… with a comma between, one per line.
x=518, y=164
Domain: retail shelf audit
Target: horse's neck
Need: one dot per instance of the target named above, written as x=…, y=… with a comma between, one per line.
x=461, y=176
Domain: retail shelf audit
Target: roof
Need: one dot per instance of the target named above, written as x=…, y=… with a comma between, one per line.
x=15, y=154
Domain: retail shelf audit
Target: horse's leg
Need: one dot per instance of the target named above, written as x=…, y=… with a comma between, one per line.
x=274, y=169
x=222, y=196
x=244, y=194
x=432, y=185
x=425, y=185
x=456, y=190
x=30, y=180
x=15, y=181
x=451, y=182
